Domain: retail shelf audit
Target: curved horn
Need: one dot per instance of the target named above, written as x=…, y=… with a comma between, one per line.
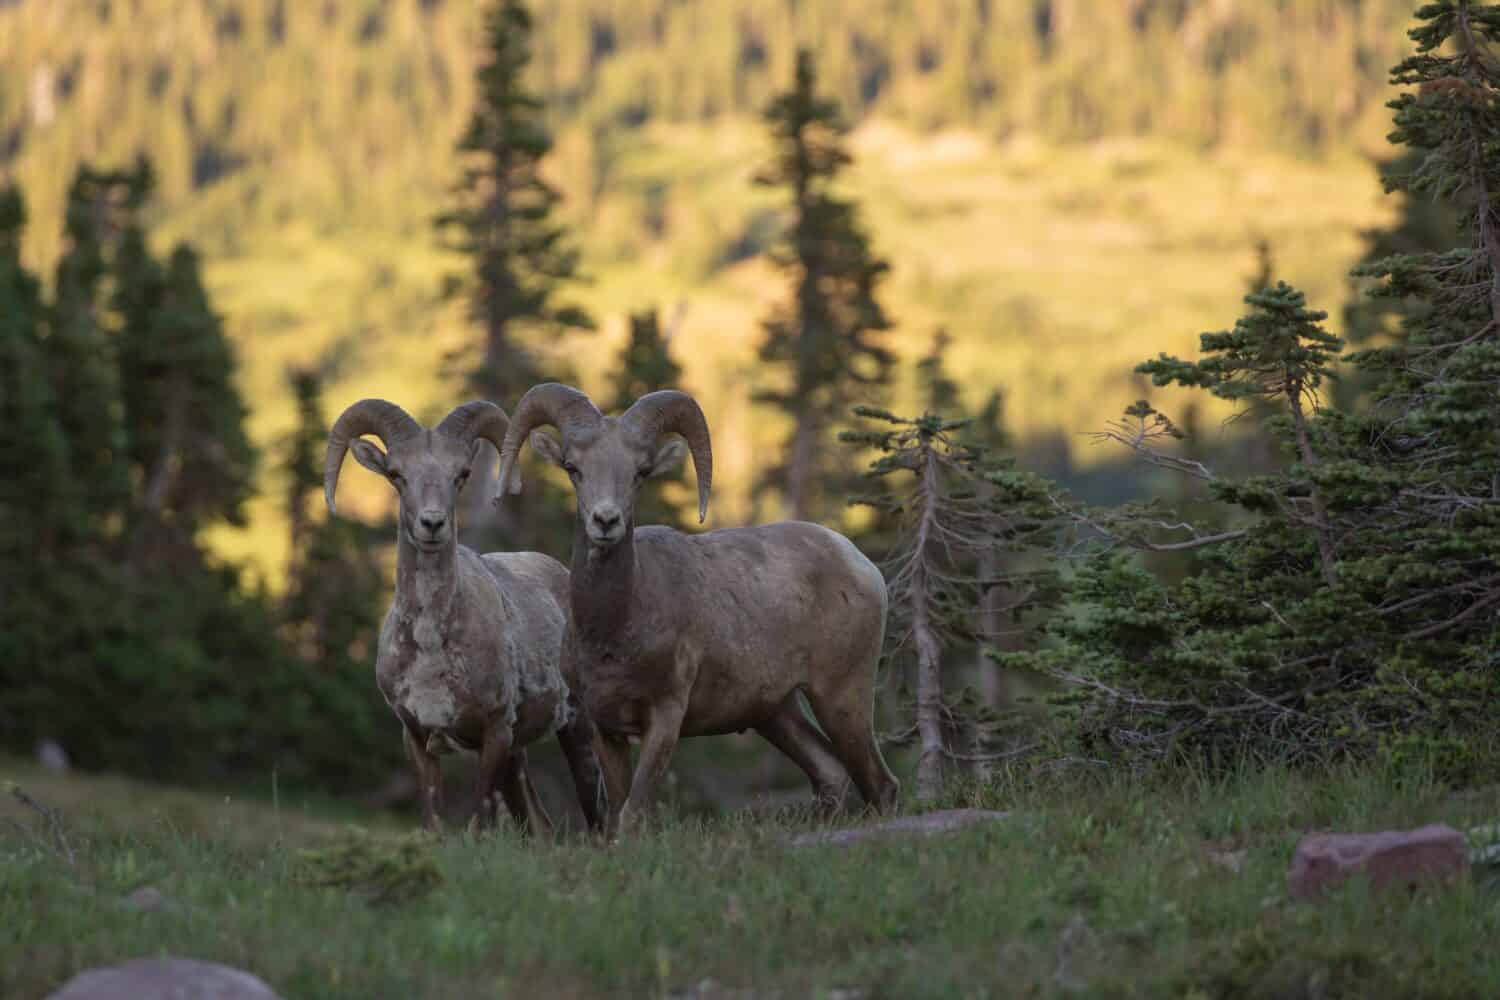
x=383, y=419
x=479, y=419
x=671, y=411
x=562, y=406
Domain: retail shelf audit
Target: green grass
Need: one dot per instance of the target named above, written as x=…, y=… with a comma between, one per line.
x=1095, y=887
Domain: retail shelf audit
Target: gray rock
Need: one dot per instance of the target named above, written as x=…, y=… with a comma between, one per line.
x=52, y=757
x=149, y=899
x=1392, y=857
x=920, y=825
x=164, y=979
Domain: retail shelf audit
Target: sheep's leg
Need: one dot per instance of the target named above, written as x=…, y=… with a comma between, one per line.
x=790, y=732
x=851, y=730
x=494, y=756
x=657, y=747
x=429, y=780
x=577, y=741
x=613, y=753
x=521, y=798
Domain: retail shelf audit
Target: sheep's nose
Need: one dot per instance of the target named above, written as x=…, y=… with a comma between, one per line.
x=432, y=521
x=606, y=520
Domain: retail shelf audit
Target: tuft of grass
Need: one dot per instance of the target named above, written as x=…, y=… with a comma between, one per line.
x=1167, y=883
x=383, y=870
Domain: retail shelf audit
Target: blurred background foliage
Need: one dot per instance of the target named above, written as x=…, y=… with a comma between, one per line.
x=1131, y=154
x=1062, y=187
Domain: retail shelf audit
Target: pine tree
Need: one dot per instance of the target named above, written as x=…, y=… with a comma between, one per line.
x=504, y=219
x=37, y=487
x=961, y=502
x=83, y=365
x=192, y=455
x=335, y=582
x=826, y=339
x=519, y=256
x=646, y=365
x=1354, y=611
x=1278, y=352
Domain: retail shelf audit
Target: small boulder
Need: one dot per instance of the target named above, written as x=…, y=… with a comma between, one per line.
x=920, y=825
x=1392, y=857
x=52, y=757
x=165, y=979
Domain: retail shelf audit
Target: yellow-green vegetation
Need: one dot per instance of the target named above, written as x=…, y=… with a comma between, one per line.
x=1162, y=885
x=1063, y=206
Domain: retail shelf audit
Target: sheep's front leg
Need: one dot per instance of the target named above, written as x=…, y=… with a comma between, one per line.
x=614, y=763
x=578, y=741
x=429, y=780
x=657, y=745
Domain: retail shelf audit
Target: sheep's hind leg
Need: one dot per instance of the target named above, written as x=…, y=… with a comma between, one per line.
x=429, y=780
x=789, y=731
x=494, y=755
x=521, y=798
x=848, y=720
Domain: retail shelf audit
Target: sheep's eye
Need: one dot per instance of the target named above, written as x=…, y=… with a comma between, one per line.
x=396, y=478
x=570, y=469
x=643, y=472
x=462, y=476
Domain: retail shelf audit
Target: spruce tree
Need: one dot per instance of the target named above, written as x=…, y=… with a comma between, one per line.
x=826, y=340
x=335, y=581
x=959, y=503
x=82, y=362
x=189, y=448
x=519, y=256
x=646, y=365
x=37, y=487
x=1394, y=652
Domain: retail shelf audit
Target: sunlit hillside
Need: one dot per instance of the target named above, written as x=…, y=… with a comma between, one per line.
x=306, y=157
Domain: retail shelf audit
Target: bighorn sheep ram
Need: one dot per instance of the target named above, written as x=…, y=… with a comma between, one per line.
x=677, y=635
x=468, y=654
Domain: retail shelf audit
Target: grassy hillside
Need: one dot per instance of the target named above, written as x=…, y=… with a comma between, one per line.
x=1118, y=888
x=305, y=148
x=1054, y=268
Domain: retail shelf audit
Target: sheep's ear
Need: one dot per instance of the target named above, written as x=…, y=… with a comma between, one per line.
x=668, y=457
x=369, y=455
x=547, y=446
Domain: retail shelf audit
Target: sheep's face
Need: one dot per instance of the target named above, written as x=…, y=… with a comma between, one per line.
x=608, y=465
x=428, y=473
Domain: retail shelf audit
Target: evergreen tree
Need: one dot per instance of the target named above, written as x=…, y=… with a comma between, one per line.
x=37, y=486
x=504, y=219
x=1277, y=352
x=192, y=456
x=1394, y=650
x=335, y=582
x=960, y=502
x=647, y=365
x=826, y=339
x=82, y=361
x=519, y=256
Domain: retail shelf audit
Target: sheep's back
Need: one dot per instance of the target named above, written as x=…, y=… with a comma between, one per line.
x=787, y=590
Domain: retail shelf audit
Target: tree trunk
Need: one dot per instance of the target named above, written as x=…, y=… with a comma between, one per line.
x=929, y=650
x=1320, y=509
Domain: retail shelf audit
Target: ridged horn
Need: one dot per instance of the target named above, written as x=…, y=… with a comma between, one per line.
x=671, y=411
x=383, y=419
x=561, y=406
x=479, y=419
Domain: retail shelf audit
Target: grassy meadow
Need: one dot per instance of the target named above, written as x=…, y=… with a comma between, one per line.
x=1161, y=886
